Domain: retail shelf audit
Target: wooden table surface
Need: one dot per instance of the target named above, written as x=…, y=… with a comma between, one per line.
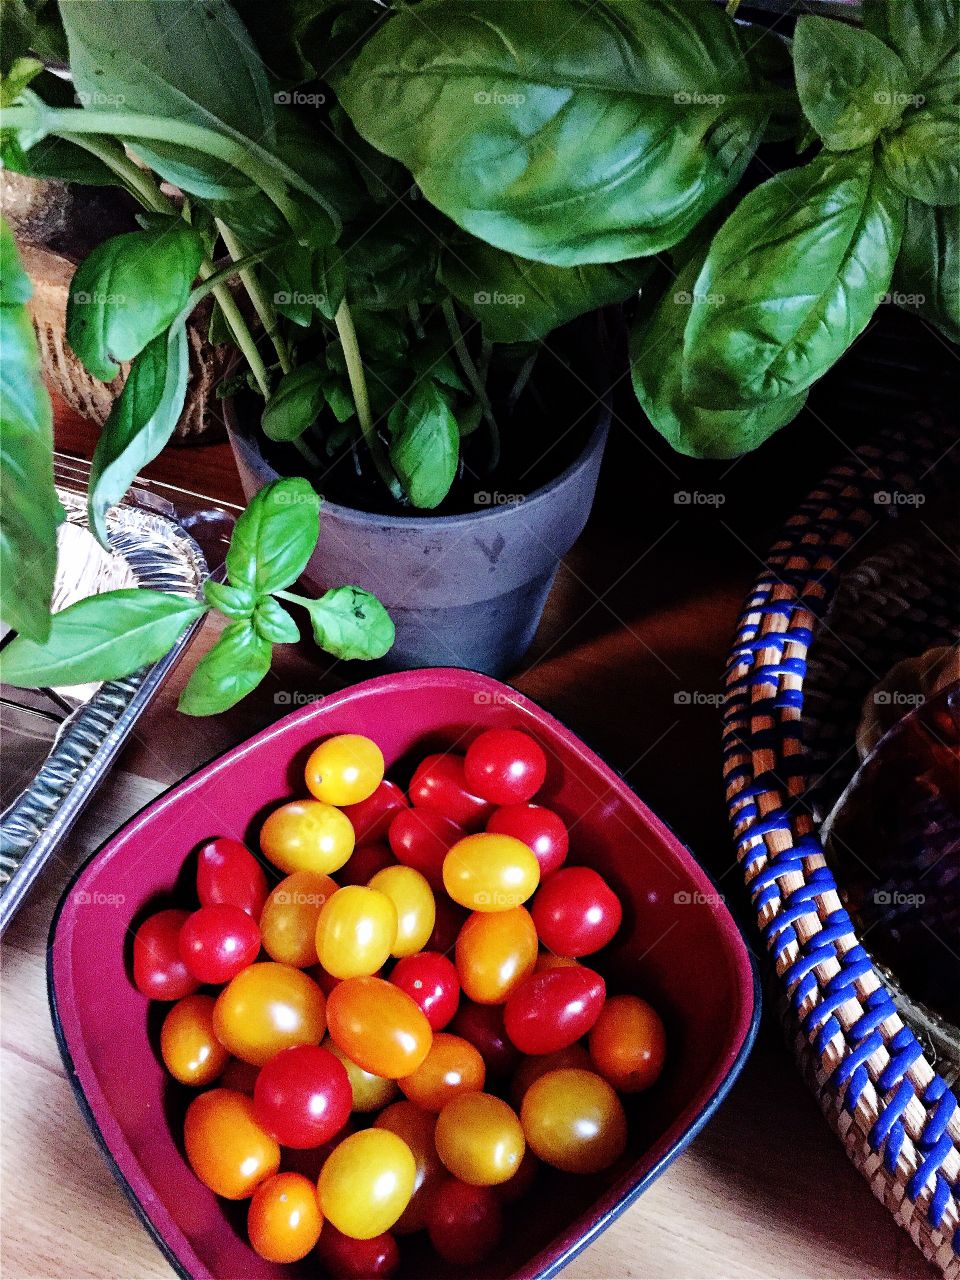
x=643, y=610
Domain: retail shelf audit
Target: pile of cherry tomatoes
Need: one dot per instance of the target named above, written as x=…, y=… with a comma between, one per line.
x=340, y=1004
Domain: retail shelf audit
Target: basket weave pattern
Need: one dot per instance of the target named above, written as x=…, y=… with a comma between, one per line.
x=898, y=1120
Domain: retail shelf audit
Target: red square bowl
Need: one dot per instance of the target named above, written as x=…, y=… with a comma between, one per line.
x=678, y=946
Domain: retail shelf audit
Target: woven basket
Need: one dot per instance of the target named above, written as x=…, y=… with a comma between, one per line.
x=898, y=1120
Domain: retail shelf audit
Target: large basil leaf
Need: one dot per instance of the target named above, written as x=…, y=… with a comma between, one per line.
x=926, y=35
x=275, y=537
x=233, y=668
x=296, y=403
x=927, y=275
x=851, y=85
x=791, y=278
x=140, y=423
x=100, y=638
x=426, y=444
x=29, y=509
x=127, y=291
x=350, y=623
x=922, y=158
x=565, y=130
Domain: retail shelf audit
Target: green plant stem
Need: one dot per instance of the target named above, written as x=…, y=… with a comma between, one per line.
x=306, y=452
x=474, y=378
x=240, y=330
x=261, y=303
x=358, y=386
x=139, y=181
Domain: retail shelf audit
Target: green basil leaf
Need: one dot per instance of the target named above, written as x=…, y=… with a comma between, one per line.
x=29, y=508
x=275, y=537
x=100, y=638
x=792, y=277
x=309, y=280
x=341, y=402
x=129, y=290
x=426, y=445
x=140, y=422
x=228, y=672
x=926, y=279
x=926, y=35
x=296, y=403
x=22, y=71
x=235, y=602
x=851, y=85
x=274, y=623
x=922, y=159
x=392, y=260
x=350, y=623
x=563, y=131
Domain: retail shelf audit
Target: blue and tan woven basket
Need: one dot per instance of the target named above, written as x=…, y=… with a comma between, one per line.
x=896, y=1116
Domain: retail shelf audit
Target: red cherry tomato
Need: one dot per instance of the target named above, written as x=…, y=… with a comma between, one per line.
x=430, y=980
x=482, y=1025
x=576, y=912
x=465, y=1223
x=439, y=784
x=542, y=829
x=421, y=838
x=302, y=1096
x=371, y=818
x=347, y=1259
x=378, y=1027
x=158, y=968
x=446, y=927
x=228, y=874
x=549, y=1011
x=217, y=942
x=505, y=766
x=364, y=864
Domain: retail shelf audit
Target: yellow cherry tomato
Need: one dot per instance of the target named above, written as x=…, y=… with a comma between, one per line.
x=415, y=1126
x=370, y=1092
x=574, y=1121
x=188, y=1044
x=345, y=769
x=284, y=1218
x=288, y=922
x=268, y=1007
x=366, y=1183
x=489, y=872
x=307, y=835
x=379, y=1026
x=226, y=1147
x=533, y=1066
x=479, y=1139
x=413, y=898
x=356, y=930
x=453, y=1066
x=495, y=951
x=628, y=1044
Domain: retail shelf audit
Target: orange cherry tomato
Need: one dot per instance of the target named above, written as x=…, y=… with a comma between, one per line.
x=480, y=1139
x=415, y=1126
x=266, y=1008
x=307, y=835
x=532, y=1068
x=288, y=924
x=370, y=1092
x=356, y=930
x=228, y=1151
x=574, y=1121
x=344, y=770
x=628, y=1044
x=378, y=1027
x=190, y=1049
x=367, y=1182
x=284, y=1218
x=495, y=951
x=452, y=1067
x=490, y=873
x=413, y=898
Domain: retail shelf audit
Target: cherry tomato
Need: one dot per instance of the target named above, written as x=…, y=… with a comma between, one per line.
x=226, y=1147
x=549, y=1011
x=307, y=835
x=415, y=1126
x=191, y=1051
x=416, y=910
x=490, y=873
x=421, y=838
x=576, y=912
x=574, y=1121
x=452, y=1067
x=530, y=1069
x=482, y=1025
x=465, y=1223
x=479, y=1139
x=229, y=874
x=344, y=770
x=378, y=1027
x=505, y=766
x=364, y=863
x=370, y=1092
x=284, y=1218
x=344, y=1258
x=541, y=829
x=217, y=942
x=628, y=1044
x=371, y=818
x=430, y=980
x=356, y=931
x=288, y=924
x=240, y=1076
x=438, y=784
x=302, y=1096
x=158, y=969
x=266, y=1008
x=547, y=960
x=367, y=1182
x=449, y=921
x=495, y=951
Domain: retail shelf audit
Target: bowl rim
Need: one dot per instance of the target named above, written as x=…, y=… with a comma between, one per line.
x=584, y=1229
